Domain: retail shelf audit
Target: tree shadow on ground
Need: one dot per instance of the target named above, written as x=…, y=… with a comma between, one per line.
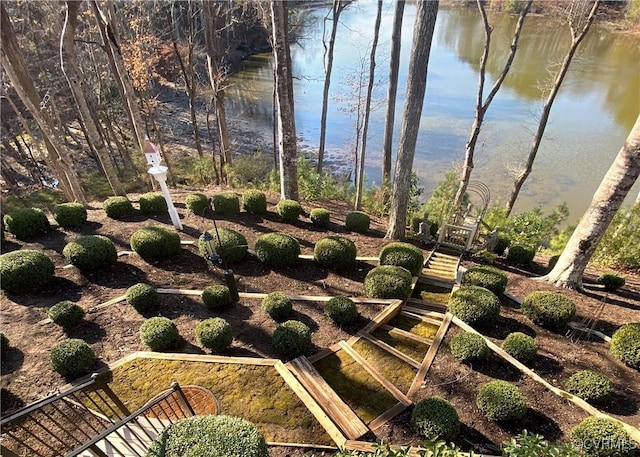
x=45, y=296
x=544, y=365
x=12, y=360
x=535, y=421
x=88, y=331
x=506, y=325
x=10, y=402
x=497, y=368
x=620, y=403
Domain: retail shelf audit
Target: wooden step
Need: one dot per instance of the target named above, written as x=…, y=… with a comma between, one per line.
x=390, y=349
x=421, y=317
x=425, y=306
x=399, y=333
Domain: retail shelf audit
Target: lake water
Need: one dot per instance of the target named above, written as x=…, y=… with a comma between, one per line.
x=591, y=117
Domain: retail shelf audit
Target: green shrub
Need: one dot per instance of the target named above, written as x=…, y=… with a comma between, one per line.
x=91, y=252
x=501, y=401
x=486, y=276
x=532, y=445
x=320, y=217
x=469, y=347
x=159, y=333
x=292, y=338
x=117, y=207
x=357, y=221
x=625, y=344
x=277, y=305
x=341, y=310
x=520, y=254
x=335, y=252
x=25, y=269
x=388, y=281
x=70, y=214
x=548, y=309
x=196, y=203
x=153, y=203
x=4, y=342
x=289, y=210
x=553, y=260
x=502, y=243
x=230, y=245
x=66, y=314
x=226, y=203
x=72, y=358
x=600, y=437
x=485, y=257
x=143, y=297
x=520, y=346
x=277, y=249
x=435, y=418
x=589, y=385
x=254, y=201
x=475, y=305
x=155, y=243
x=216, y=297
x=214, y=334
x=26, y=222
x=210, y=436
x=611, y=281
x=403, y=255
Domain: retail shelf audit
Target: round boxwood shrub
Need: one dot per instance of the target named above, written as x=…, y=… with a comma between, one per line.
x=70, y=214
x=216, y=297
x=159, y=333
x=520, y=346
x=155, y=242
x=226, y=203
x=388, y=281
x=254, y=201
x=66, y=314
x=320, y=217
x=600, y=437
x=153, y=203
x=91, y=252
x=26, y=222
x=230, y=245
x=196, y=203
x=214, y=334
x=292, y=338
x=210, y=436
x=288, y=210
x=486, y=276
x=520, y=254
x=625, y=344
x=143, y=297
x=469, y=347
x=553, y=260
x=335, y=252
x=434, y=417
x=501, y=401
x=341, y=310
x=589, y=385
x=277, y=249
x=4, y=342
x=611, y=281
x=277, y=305
x=25, y=269
x=72, y=358
x=357, y=221
x=548, y=309
x=475, y=305
x=402, y=255
x=502, y=243
x=117, y=207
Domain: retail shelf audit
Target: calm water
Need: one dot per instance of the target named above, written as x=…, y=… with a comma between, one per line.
x=591, y=117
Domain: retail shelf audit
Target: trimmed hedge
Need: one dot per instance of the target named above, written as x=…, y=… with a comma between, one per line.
x=388, y=281
x=216, y=297
x=143, y=297
x=502, y=244
x=520, y=254
x=155, y=243
x=402, y=255
x=599, y=437
x=196, y=203
x=501, y=401
x=231, y=246
x=226, y=203
x=292, y=338
x=475, y=305
x=357, y=221
x=553, y=260
x=520, y=346
x=66, y=314
x=70, y=214
x=214, y=334
x=277, y=305
x=117, y=207
x=26, y=222
x=341, y=310
x=548, y=309
x=277, y=249
x=486, y=276
x=91, y=252
x=435, y=418
x=289, y=210
x=254, y=201
x=72, y=358
x=335, y=252
x=153, y=203
x=159, y=333
x=469, y=347
x=320, y=217
x=625, y=344
x=589, y=385
x=25, y=269
x=611, y=281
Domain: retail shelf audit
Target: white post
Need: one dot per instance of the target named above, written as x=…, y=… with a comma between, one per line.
x=159, y=172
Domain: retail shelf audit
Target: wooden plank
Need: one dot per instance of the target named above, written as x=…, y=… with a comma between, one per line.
x=207, y=358
x=395, y=331
x=437, y=307
x=393, y=390
x=187, y=242
x=421, y=317
x=359, y=258
x=123, y=253
x=303, y=445
x=600, y=335
x=436, y=315
x=435, y=281
x=179, y=291
x=390, y=349
x=431, y=355
x=323, y=298
x=113, y=301
x=383, y=316
x=385, y=417
x=320, y=355
x=313, y=407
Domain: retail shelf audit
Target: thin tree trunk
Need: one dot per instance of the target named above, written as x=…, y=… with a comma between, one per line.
x=29, y=152
x=213, y=144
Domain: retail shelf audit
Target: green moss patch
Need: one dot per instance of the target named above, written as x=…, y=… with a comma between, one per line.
x=399, y=373
x=415, y=326
x=435, y=294
x=414, y=349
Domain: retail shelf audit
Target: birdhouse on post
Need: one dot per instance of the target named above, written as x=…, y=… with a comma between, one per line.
x=159, y=172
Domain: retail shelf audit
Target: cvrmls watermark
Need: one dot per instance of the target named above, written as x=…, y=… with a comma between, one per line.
x=605, y=443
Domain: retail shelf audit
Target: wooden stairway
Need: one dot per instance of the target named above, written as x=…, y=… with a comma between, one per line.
x=440, y=268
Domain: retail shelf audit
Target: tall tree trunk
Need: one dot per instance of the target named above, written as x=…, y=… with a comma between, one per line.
x=483, y=105
x=284, y=82
x=367, y=107
x=426, y=13
x=605, y=203
x=577, y=35
x=394, y=67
